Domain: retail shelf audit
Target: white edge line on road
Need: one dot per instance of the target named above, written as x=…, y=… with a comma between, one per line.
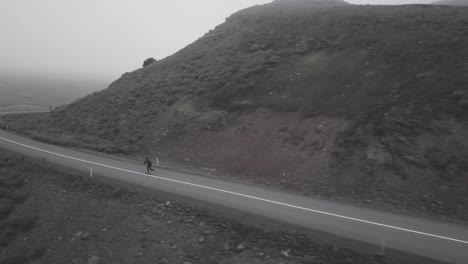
x=244, y=195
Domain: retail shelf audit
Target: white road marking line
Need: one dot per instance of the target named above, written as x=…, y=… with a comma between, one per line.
x=244, y=195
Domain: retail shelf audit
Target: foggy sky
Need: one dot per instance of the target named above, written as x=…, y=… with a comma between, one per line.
x=105, y=38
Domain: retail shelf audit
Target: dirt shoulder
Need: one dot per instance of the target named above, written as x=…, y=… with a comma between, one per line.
x=51, y=217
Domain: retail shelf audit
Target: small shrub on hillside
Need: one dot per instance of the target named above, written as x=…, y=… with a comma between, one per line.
x=22, y=259
x=12, y=180
x=7, y=162
x=19, y=198
x=6, y=207
x=4, y=191
x=25, y=257
x=24, y=223
x=10, y=229
x=286, y=105
x=148, y=62
x=123, y=150
x=3, y=125
x=463, y=103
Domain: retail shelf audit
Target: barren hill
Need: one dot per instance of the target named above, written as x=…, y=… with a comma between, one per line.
x=365, y=102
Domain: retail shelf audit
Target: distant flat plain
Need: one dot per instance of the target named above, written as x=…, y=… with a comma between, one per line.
x=36, y=93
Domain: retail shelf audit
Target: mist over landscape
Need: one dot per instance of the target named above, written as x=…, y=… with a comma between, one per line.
x=33, y=92
x=232, y=132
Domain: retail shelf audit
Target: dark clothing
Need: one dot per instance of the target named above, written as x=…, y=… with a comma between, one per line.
x=149, y=165
x=148, y=162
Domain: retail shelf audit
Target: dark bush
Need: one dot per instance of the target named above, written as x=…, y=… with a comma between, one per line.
x=148, y=61
x=25, y=257
x=9, y=229
x=6, y=207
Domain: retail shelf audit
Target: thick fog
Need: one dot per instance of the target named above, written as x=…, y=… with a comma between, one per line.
x=105, y=38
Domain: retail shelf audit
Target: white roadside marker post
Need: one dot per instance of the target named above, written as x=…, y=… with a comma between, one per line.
x=157, y=162
x=90, y=172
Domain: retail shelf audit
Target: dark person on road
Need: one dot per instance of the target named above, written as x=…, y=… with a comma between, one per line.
x=149, y=165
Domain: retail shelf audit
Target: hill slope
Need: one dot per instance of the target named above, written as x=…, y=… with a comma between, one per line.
x=368, y=102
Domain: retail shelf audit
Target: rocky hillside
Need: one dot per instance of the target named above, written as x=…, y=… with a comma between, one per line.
x=323, y=98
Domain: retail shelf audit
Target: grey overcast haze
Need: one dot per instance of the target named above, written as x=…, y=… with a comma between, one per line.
x=103, y=39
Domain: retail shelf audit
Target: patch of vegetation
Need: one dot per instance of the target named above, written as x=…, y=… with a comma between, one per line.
x=25, y=257
x=10, y=228
x=148, y=62
x=12, y=178
x=6, y=207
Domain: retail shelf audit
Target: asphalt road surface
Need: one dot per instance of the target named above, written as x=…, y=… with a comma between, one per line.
x=435, y=239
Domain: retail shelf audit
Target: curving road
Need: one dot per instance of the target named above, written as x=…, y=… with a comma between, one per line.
x=439, y=240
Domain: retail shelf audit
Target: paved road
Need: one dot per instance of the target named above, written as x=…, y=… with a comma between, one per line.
x=439, y=240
